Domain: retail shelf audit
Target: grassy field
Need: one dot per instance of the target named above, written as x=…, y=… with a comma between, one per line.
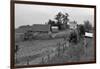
x=77, y=53
x=34, y=47
x=37, y=51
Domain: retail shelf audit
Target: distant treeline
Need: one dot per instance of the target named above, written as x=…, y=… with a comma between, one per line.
x=61, y=20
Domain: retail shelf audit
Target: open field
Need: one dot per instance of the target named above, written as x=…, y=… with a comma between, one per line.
x=38, y=51
x=53, y=50
x=34, y=47
x=77, y=53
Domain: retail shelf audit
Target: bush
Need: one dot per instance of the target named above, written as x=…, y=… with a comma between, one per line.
x=19, y=37
x=81, y=30
x=76, y=51
x=88, y=26
x=73, y=37
x=28, y=35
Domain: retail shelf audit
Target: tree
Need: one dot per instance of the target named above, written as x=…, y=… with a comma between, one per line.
x=59, y=18
x=62, y=19
x=73, y=37
x=65, y=18
x=88, y=26
x=81, y=30
x=51, y=22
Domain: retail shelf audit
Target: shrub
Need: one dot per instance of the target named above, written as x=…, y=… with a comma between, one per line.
x=73, y=37
x=28, y=35
x=76, y=51
x=88, y=26
x=81, y=30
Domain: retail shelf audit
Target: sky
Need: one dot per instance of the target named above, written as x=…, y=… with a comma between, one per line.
x=26, y=14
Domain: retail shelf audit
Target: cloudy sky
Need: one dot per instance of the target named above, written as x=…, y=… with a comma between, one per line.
x=26, y=14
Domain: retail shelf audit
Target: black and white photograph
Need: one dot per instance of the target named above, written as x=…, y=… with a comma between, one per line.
x=47, y=34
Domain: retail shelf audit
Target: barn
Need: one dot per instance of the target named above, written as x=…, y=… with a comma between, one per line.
x=44, y=28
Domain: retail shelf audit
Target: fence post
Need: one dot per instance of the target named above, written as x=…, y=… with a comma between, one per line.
x=48, y=60
x=27, y=61
x=63, y=47
x=59, y=50
x=42, y=60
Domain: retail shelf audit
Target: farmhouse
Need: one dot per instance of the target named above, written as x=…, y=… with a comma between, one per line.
x=72, y=24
